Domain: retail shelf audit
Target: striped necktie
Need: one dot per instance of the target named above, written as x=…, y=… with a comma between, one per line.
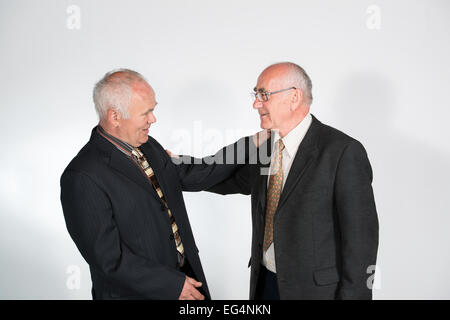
x=151, y=176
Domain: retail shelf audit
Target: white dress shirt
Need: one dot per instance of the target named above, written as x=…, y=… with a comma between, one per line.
x=291, y=146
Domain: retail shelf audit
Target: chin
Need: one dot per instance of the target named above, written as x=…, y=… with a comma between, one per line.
x=265, y=125
x=144, y=140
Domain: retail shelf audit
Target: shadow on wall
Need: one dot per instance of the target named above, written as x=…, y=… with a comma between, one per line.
x=36, y=262
x=411, y=185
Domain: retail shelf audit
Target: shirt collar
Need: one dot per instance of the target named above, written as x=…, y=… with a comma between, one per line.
x=293, y=139
x=119, y=144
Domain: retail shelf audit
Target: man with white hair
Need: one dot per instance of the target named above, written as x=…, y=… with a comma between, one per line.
x=123, y=204
x=315, y=225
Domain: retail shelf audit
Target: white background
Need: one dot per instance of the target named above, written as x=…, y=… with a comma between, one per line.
x=386, y=87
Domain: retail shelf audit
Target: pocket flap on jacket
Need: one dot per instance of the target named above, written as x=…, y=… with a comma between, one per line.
x=326, y=276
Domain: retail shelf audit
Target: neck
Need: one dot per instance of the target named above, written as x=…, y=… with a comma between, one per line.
x=110, y=130
x=292, y=123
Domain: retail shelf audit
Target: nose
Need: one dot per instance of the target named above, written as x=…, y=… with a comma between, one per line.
x=257, y=104
x=151, y=118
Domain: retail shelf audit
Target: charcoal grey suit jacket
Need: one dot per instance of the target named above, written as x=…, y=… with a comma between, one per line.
x=325, y=226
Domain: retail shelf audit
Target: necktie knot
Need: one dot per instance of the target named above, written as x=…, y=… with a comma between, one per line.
x=137, y=153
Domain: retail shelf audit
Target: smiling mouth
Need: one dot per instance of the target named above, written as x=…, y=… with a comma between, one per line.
x=263, y=114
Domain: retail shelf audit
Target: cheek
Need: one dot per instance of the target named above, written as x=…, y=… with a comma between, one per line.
x=282, y=113
x=140, y=124
x=273, y=114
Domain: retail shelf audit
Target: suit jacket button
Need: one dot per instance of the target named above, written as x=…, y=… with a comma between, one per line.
x=171, y=237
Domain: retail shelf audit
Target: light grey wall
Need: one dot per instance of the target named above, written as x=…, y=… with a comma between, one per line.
x=380, y=73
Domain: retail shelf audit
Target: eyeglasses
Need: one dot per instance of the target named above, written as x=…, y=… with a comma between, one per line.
x=262, y=95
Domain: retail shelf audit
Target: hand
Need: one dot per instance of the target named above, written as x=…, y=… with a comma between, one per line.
x=189, y=292
x=260, y=137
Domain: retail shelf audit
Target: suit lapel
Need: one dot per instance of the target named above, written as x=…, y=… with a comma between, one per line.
x=120, y=163
x=156, y=162
x=159, y=166
x=306, y=153
x=125, y=166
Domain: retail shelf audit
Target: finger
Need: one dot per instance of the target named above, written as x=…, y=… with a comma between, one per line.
x=196, y=294
x=187, y=295
x=190, y=297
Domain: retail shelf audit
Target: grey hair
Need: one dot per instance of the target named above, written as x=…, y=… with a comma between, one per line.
x=114, y=92
x=297, y=77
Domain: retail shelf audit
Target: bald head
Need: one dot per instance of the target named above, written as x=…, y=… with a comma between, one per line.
x=284, y=97
x=290, y=74
x=115, y=91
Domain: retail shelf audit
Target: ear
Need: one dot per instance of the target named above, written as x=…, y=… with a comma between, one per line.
x=296, y=99
x=113, y=116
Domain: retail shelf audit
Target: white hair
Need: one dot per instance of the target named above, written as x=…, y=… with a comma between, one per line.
x=297, y=77
x=115, y=92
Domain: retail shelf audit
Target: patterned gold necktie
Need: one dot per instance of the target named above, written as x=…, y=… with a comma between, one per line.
x=273, y=194
x=151, y=176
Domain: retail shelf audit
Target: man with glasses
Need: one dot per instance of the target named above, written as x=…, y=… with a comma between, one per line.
x=315, y=225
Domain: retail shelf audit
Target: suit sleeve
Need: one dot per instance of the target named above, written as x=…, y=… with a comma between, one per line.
x=239, y=182
x=202, y=174
x=358, y=222
x=90, y=221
